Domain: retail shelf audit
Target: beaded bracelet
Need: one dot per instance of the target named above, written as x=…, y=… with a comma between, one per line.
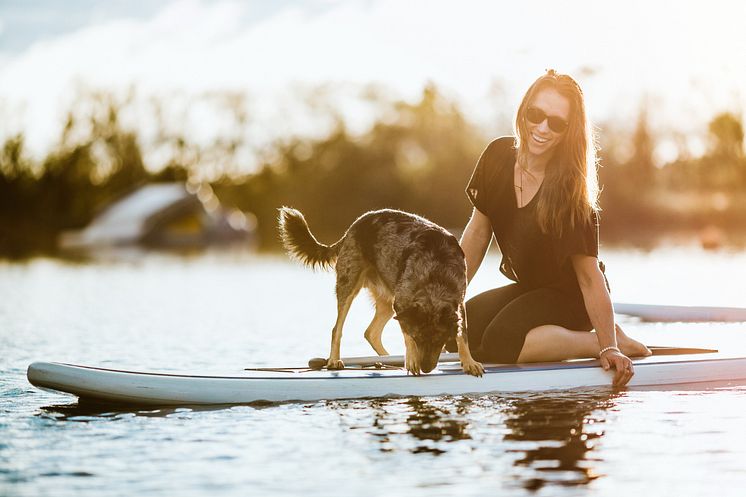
x=609, y=348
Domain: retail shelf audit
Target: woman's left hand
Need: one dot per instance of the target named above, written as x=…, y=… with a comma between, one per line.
x=613, y=359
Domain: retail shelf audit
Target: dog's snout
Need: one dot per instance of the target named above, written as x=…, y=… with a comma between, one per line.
x=427, y=364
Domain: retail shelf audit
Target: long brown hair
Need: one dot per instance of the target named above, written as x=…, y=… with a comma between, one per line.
x=570, y=190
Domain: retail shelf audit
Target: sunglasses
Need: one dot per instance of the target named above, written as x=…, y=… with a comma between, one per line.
x=537, y=116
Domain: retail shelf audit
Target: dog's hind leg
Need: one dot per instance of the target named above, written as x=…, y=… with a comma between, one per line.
x=384, y=312
x=349, y=282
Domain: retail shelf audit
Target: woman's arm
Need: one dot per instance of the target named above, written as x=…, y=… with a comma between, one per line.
x=475, y=241
x=601, y=312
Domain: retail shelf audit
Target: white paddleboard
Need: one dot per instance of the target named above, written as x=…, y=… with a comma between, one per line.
x=681, y=313
x=243, y=387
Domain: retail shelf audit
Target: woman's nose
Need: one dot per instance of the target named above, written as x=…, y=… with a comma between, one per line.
x=543, y=126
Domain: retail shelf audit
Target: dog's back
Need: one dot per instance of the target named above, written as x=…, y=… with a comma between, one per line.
x=401, y=246
x=387, y=241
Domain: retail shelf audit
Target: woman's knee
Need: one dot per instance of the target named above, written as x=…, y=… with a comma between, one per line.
x=482, y=308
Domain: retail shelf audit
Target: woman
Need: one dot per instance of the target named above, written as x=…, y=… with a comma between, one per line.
x=537, y=192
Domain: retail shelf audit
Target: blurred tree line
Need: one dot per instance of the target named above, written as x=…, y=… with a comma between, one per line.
x=644, y=197
x=416, y=157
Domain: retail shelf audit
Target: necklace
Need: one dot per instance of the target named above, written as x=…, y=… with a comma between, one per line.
x=520, y=187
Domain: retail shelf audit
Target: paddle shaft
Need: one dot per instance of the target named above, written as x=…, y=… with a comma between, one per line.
x=398, y=360
x=386, y=360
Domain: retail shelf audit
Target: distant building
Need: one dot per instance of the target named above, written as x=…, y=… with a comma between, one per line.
x=164, y=215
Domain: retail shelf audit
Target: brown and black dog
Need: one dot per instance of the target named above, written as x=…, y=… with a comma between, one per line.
x=415, y=271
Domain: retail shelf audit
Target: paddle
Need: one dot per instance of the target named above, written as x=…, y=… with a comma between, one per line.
x=385, y=360
x=398, y=360
x=658, y=350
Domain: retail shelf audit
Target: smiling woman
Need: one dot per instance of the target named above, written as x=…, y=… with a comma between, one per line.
x=538, y=193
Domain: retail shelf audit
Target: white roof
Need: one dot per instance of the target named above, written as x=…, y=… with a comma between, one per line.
x=124, y=220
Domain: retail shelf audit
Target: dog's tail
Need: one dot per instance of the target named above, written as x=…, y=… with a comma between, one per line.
x=301, y=244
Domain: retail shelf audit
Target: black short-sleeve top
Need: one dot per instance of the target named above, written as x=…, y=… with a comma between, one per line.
x=529, y=256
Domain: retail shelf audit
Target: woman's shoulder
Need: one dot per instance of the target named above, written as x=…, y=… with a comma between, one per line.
x=492, y=175
x=498, y=153
x=501, y=145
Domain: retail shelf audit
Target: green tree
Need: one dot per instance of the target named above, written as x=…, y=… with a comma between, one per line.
x=724, y=167
x=726, y=133
x=641, y=163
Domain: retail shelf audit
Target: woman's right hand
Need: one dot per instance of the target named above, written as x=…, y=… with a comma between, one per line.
x=614, y=359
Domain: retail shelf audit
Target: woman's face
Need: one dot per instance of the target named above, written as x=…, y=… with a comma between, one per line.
x=541, y=137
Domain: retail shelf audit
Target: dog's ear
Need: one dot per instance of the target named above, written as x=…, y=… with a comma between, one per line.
x=412, y=313
x=402, y=310
x=397, y=310
x=402, y=313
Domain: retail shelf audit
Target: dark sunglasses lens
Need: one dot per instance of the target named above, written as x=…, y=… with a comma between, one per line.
x=535, y=115
x=556, y=124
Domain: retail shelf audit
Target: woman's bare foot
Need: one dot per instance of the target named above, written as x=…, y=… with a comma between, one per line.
x=629, y=346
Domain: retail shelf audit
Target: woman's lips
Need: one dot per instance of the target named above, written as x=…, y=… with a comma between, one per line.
x=538, y=139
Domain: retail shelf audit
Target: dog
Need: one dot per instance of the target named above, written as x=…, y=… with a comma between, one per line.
x=415, y=271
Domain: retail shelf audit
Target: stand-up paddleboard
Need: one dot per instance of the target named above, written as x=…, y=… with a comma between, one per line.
x=681, y=313
x=243, y=387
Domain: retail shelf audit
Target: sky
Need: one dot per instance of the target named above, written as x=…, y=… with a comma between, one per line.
x=684, y=58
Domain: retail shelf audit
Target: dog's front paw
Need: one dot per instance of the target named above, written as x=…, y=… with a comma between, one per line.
x=473, y=368
x=411, y=366
x=335, y=364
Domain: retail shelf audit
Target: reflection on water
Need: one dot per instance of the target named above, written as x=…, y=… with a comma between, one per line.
x=85, y=411
x=422, y=419
x=563, y=428
x=428, y=422
x=88, y=410
x=551, y=436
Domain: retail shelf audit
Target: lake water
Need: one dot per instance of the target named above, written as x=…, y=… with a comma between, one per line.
x=225, y=311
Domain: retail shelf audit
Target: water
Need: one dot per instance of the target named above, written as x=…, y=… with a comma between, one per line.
x=224, y=311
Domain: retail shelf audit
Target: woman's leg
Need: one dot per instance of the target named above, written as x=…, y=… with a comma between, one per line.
x=550, y=342
x=555, y=343
x=508, y=325
x=482, y=309
x=504, y=337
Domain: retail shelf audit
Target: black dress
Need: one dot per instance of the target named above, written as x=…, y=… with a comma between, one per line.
x=545, y=288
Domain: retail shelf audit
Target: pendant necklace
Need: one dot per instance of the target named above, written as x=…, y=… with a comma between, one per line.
x=520, y=187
